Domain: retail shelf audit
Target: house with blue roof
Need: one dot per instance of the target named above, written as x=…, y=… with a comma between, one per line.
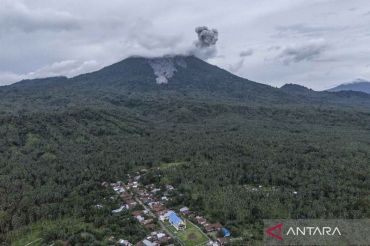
x=225, y=232
x=176, y=221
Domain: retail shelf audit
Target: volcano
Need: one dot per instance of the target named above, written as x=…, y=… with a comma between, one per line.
x=161, y=78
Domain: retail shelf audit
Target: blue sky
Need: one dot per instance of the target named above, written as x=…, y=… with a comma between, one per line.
x=316, y=43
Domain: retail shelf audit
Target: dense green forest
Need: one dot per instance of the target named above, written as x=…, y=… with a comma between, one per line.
x=242, y=158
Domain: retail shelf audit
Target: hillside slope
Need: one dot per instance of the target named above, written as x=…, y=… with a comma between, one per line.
x=136, y=78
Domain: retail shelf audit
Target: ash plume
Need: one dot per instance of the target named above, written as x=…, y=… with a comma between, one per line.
x=205, y=46
x=164, y=68
x=206, y=37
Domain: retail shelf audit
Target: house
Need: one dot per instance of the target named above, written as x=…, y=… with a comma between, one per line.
x=131, y=203
x=124, y=242
x=119, y=210
x=169, y=187
x=159, y=209
x=146, y=242
x=176, y=221
x=162, y=218
x=146, y=222
x=212, y=227
x=212, y=243
x=119, y=189
x=133, y=184
x=150, y=226
x=201, y=220
x=160, y=235
x=164, y=240
x=221, y=240
x=140, y=218
x=152, y=204
x=225, y=232
x=184, y=210
x=137, y=213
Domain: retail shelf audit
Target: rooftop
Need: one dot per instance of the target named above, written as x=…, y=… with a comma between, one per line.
x=174, y=219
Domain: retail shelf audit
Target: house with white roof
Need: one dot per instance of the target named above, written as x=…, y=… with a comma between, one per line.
x=184, y=210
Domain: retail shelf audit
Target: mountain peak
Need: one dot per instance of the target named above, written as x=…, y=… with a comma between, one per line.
x=360, y=85
x=170, y=76
x=160, y=70
x=164, y=67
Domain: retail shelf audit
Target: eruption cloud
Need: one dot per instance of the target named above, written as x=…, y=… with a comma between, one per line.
x=206, y=37
x=164, y=68
x=205, y=46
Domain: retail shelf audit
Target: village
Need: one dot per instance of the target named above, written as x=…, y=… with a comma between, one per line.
x=148, y=204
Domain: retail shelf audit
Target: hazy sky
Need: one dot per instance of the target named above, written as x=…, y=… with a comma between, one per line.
x=316, y=43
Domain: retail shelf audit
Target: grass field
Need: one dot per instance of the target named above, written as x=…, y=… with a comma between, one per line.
x=192, y=236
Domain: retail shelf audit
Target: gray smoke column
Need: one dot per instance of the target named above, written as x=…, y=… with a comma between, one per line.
x=205, y=46
x=206, y=37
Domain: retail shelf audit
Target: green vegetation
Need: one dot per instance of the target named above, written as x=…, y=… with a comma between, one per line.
x=75, y=231
x=60, y=138
x=170, y=165
x=191, y=236
x=42, y=232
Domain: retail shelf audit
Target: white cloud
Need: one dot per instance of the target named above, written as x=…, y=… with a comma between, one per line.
x=67, y=68
x=308, y=51
x=16, y=16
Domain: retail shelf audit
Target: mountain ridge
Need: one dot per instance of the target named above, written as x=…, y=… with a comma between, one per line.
x=134, y=77
x=163, y=78
x=360, y=85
